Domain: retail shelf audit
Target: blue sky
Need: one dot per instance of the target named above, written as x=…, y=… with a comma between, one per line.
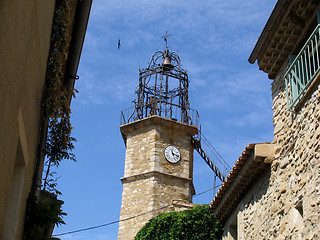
x=214, y=40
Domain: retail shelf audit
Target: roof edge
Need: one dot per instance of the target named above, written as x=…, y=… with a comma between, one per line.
x=275, y=14
x=247, y=168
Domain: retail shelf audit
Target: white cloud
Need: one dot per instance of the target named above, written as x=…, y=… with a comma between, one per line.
x=250, y=119
x=208, y=34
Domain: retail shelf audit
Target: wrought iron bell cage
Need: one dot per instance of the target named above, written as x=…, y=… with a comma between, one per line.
x=162, y=91
x=163, y=88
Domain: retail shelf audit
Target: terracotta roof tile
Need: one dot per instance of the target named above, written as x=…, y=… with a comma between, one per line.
x=245, y=181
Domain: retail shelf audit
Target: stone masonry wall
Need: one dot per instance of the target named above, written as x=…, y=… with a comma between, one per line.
x=150, y=182
x=285, y=202
x=145, y=152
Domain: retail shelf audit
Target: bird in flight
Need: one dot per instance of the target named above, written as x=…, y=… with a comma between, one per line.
x=119, y=44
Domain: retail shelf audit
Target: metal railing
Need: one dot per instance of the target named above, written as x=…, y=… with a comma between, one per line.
x=173, y=112
x=303, y=70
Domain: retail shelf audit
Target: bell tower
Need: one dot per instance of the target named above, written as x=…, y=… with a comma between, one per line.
x=157, y=133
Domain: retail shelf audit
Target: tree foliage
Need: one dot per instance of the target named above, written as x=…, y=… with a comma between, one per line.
x=41, y=216
x=197, y=223
x=56, y=106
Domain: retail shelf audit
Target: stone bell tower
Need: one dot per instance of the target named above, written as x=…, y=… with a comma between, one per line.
x=157, y=133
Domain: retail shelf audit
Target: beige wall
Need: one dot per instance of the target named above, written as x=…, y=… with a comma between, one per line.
x=25, y=30
x=150, y=182
x=285, y=202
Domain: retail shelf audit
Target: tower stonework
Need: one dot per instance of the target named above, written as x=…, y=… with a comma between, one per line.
x=151, y=183
x=158, y=132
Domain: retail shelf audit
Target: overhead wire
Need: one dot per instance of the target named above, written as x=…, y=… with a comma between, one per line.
x=110, y=223
x=125, y=219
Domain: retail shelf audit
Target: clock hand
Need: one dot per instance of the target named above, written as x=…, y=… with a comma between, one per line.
x=172, y=153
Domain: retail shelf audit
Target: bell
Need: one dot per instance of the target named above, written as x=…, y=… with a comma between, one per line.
x=167, y=63
x=166, y=60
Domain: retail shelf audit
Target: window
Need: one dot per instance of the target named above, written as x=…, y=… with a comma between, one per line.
x=13, y=211
x=233, y=229
x=299, y=207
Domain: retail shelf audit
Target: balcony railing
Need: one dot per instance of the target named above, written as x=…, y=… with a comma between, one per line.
x=303, y=70
x=174, y=112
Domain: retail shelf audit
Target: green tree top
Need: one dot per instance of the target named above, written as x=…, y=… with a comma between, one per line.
x=197, y=223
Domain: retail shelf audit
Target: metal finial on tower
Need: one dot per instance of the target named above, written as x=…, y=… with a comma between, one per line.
x=165, y=37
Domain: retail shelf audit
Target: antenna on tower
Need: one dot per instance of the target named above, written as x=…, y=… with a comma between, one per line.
x=165, y=37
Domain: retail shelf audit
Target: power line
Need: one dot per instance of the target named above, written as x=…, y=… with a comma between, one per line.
x=122, y=220
x=207, y=190
x=110, y=223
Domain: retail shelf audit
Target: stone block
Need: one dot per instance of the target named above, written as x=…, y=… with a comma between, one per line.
x=264, y=151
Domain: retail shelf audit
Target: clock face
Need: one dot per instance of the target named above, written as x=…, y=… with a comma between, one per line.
x=172, y=154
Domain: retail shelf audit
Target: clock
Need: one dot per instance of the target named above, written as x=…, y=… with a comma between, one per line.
x=172, y=154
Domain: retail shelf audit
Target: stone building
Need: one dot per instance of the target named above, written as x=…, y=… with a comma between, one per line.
x=25, y=32
x=273, y=190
